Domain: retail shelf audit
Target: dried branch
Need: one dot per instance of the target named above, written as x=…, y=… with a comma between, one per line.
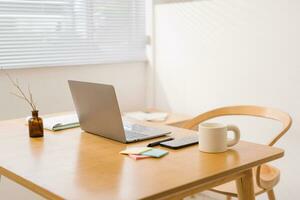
x=22, y=96
x=31, y=98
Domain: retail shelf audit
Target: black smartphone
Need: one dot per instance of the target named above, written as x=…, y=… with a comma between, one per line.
x=180, y=143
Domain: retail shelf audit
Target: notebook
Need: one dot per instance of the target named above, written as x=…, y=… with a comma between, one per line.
x=60, y=122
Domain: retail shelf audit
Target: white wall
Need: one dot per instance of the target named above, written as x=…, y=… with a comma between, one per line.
x=50, y=89
x=211, y=53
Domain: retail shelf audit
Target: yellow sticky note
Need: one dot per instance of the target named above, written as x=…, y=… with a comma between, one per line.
x=135, y=150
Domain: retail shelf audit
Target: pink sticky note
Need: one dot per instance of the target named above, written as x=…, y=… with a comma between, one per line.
x=138, y=157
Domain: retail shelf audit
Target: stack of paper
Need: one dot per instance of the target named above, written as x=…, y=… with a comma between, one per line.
x=143, y=116
x=144, y=152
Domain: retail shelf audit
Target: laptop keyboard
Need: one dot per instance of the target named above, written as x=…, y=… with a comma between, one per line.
x=139, y=132
x=131, y=135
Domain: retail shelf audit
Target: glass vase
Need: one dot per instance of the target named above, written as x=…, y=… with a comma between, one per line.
x=35, y=124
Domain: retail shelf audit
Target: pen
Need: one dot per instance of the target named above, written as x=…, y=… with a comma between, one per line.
x=153, y=144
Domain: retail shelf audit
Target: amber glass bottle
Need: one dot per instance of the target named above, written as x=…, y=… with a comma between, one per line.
x=35, y=124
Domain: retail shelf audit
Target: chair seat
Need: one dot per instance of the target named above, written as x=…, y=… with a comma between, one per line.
x=269, y=177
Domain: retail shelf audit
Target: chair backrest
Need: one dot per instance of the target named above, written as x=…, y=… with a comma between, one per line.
x=248, y=110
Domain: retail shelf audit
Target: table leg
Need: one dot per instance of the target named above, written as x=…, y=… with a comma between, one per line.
x=245, y=186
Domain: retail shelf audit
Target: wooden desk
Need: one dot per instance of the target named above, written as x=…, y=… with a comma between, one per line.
x=74, y=165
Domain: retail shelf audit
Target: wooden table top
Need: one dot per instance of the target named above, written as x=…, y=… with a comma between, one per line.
x=72, y=164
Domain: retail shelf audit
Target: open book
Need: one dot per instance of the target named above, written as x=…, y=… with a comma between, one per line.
x=60, y=122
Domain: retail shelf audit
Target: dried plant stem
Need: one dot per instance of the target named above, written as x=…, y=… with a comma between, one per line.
x=15, y=83
x=31, y=98
x=21, y=97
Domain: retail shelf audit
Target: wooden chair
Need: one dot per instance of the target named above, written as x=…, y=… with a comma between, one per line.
x=267, y=176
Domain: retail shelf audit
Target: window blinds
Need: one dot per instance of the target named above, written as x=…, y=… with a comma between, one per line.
x=40, y=33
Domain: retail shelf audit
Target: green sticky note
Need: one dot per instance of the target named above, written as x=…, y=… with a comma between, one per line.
x=157, y=153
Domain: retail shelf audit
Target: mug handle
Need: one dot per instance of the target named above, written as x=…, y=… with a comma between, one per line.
x=236, y=132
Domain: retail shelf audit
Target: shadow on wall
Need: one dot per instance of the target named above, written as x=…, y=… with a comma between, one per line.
x=216, y=53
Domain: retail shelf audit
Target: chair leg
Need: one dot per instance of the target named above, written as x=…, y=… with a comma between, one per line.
x=228, y=197
x=271, y=195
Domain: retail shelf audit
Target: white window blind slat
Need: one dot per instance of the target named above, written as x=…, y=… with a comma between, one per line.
x=41, y=33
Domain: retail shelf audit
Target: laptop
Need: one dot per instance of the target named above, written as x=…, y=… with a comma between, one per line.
x=98, y=112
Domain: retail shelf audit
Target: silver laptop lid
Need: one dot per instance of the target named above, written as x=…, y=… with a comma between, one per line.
x=97, y=109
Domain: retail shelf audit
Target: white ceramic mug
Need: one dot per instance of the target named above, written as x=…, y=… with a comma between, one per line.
x=213, y=137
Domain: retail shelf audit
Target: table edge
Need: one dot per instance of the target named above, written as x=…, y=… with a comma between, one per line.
x=216, y=177
x=29, y=185
x=51, y=195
